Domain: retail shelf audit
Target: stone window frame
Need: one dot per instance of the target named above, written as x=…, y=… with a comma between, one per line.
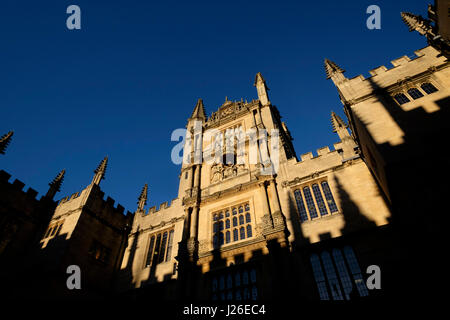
x=148, y=262
x=343, y=273
x=53, y=229
x=229, y=208
x=417, y=84
x=317, y=208
x=99, y=252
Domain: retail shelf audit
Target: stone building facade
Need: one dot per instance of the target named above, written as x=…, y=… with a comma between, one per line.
x=257, y=222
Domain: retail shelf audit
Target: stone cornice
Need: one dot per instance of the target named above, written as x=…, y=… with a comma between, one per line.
x=317, y=174
x=396, y=86
x=240, y=187
x=161, y=224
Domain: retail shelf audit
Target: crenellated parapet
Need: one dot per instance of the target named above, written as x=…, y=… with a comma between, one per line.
x=406, y=70
x=15, y=191
x=161, y=208
x=324, y=159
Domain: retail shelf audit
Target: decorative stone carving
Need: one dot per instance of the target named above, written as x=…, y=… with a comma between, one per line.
x=192, y=246
x=203, y=246
x=227, y=111
x=220, y=171
x=217, y=172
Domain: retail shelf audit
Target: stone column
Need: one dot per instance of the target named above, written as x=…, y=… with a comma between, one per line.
x=196, y=188
x=190, y=180
x=186, y=224
x=267, y=218
x=194, y=222
x=274, y=201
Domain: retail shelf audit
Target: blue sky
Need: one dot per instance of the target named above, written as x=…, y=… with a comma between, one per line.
x=132, y=74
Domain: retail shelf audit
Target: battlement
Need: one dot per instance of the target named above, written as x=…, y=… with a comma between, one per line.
x=324, y=159
x=17, y=186
x=404, y=68
x=162, y=207
x=69, y=198
x=108, y=205
x=321, y=152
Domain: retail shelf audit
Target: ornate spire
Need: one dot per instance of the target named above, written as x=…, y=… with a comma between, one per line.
x=55, y=185
x=262, y=89
x=4, y=141
x=417, y=23
x=199, y=111
x=142, y=200
x=337, y=122
x=339, y=126
x=259, y=78
x=100, y=171
x=332, y=68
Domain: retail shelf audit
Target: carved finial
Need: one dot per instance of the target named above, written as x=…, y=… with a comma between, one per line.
x=55, y=185
x=339, y=126
x=262, y=89
x=337, y=122
x=142, y=200
x=100, y=171
x=199, y=111
x=416, y=23
x=332, y=68
x=5, y=141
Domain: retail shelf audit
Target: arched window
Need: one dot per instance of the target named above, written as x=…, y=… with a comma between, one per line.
x=245, y=278
x=227, y=224
x=234, y=211
x=246, y=294
x=428, y=87
x=253, y=276
x=237, y=279
x=342, y=271
x=247, y=218
x=254, y=293
x=319, y=277
x=215, y=216
x=300, y=205
x=227, y=213
x=221, y=215
x=310, y=202
x=228, y=237
x=150, y=251
x=415, y=93
x=401, y=98
x=356, y=271
x=215, y=241
x=329, y=196
x=234, y=222
x=319, y=199
x=249, y=231
x=241, y=209
x=241, y=219
x=242, y=233
x=235, y=235
x=169, y=246
x=331, y=276
x=229, y=281
x=247, y=207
